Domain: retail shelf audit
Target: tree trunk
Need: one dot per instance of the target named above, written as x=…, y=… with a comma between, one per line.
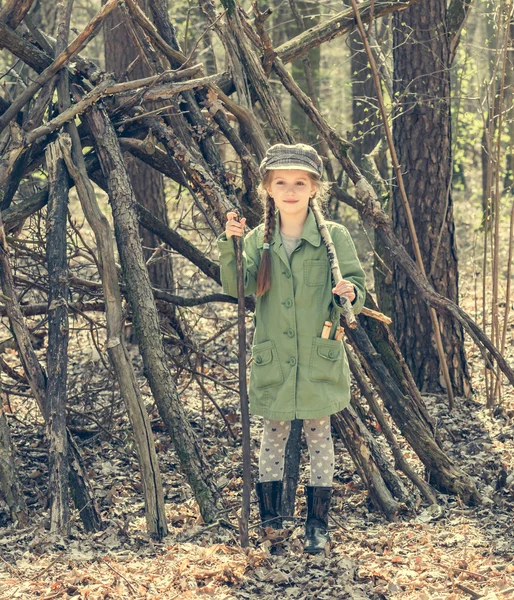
x=292, y=467
x=422, y=136
x=147, y=183
x=148, y=463
x=57, y=357
x=146, y=318
x=359, y=443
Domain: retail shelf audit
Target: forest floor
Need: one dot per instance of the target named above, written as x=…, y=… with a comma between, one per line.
x=448, y=552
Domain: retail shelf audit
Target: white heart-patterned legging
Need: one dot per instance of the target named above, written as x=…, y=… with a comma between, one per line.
x=319, y=441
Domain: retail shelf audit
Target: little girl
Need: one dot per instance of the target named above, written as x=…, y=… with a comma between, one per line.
x=295, y=372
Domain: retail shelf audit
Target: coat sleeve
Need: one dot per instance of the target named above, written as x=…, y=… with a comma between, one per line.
x=227, y=257
x=350, y=266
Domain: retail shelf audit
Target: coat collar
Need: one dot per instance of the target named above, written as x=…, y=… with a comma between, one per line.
x=310, y=231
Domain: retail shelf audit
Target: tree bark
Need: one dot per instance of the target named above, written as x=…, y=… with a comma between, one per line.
x=148, y=463
x=57, y=353
x=358, y=442
x=385, y=344
x=147, y=183
x=391, y=479
x=14, y=11
x=254, y=72
x=400, y=461
x=445, y=475
x=146, y=319
x=422, y=136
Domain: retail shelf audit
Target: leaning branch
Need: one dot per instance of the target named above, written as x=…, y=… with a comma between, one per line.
x=14, y=12
x=76, y=46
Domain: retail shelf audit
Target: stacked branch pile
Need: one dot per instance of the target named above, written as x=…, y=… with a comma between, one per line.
x=94, y=110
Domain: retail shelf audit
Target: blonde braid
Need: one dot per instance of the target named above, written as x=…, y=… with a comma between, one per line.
x=269, y=221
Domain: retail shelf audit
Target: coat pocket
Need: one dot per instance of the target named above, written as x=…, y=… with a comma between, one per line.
x=326, y=363
x=315, y=271
x=266, y=369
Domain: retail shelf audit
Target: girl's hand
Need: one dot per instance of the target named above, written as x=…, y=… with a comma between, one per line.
x=234, y=227
x=345, y=288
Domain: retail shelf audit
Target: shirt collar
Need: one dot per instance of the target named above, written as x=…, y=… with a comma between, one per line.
x=310, y=231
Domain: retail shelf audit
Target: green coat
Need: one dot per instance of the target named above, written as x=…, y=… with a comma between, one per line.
x=295, y=373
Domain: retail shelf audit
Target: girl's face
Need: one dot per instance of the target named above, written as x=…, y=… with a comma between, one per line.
x=291, y=190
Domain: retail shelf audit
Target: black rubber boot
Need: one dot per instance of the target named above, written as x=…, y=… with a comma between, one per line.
x=269, y=494
x=316, y=526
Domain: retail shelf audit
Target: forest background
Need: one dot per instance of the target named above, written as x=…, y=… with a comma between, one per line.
x=142, y=406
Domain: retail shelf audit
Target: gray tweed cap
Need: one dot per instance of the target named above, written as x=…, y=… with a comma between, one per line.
x=296, y=156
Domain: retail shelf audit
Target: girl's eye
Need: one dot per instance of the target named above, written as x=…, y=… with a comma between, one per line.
x=300, y=183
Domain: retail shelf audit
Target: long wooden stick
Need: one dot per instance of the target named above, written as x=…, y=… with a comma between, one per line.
x=243, y=395
x=58, y=335
x=336, y=272
x=146, y=320
x=14, y=12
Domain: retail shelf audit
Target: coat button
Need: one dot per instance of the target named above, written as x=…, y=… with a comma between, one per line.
x=330, y=354
x=292, y=361
x=289, y=303
x=288, y=274
x=258, y=359
x=290, y=332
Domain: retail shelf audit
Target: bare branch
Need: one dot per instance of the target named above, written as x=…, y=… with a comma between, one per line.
x=76, y=46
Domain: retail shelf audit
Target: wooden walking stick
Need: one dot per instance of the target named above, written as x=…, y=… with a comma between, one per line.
x=347, y=310
x=243, y=396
